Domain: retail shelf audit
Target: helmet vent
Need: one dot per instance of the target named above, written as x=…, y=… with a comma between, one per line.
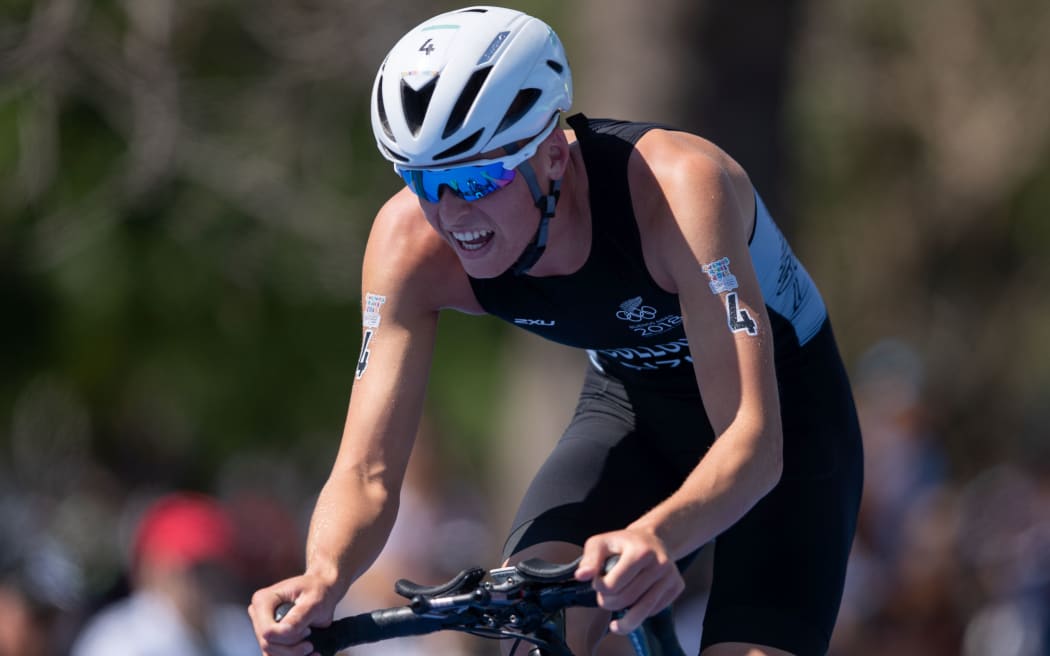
x=465, y=101
x=381, y=109
x=415, y=103
x=473, y=10
x=461, y=147
x=555, y=66
x=392, y=155
x=523, y=102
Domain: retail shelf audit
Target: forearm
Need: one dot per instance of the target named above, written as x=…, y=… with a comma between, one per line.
x=738, y=470
x=353, y=517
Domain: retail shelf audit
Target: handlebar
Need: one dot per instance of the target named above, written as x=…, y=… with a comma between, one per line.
x=373, y=627
x=523, y=601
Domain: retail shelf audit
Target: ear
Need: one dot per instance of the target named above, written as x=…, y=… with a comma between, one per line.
x=556, y=153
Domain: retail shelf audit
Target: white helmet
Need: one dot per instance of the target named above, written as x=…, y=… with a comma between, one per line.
x=467, y=82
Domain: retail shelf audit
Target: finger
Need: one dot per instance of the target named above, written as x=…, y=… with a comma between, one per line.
x=595, y=552
x=262, y=608
x=300, y=649
x=630, y=566
x=627, y=594
x=653, y=601
x=301, y=611
x=293, y=628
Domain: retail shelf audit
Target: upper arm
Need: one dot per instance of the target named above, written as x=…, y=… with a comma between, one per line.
x=703, y=206
x=406, y=279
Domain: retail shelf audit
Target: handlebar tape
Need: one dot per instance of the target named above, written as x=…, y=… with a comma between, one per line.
x=372, y=627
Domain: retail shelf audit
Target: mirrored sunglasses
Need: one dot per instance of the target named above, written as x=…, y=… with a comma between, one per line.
x=467, y=182
x=474, y=180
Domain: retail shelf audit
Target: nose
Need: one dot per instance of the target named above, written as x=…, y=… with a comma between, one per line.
x=450, y=206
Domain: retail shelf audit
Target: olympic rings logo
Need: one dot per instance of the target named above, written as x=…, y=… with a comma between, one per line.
x=636, y=314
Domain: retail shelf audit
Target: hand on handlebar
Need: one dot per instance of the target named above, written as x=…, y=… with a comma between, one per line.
x=644, y=581
x=309, y=607
x=517, y=601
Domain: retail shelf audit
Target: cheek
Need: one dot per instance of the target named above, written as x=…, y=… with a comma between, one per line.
x=512, y=208
x=430, y=213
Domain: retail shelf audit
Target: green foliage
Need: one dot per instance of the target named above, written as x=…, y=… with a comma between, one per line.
x=921, y=151
x=185, y=191
x=186, y=188
x=464, y=384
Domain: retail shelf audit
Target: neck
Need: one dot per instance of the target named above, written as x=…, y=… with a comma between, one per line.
x=569, y=242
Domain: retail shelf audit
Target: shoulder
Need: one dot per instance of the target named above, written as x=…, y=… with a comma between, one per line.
x=400, y=233
x=682, y=162
x=685, y=189
x=406, y=257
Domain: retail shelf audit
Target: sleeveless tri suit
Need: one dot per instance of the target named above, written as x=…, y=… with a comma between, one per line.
x=640, y=425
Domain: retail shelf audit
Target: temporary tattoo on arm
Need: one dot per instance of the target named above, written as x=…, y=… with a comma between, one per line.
x=372, y=304
x=721, y=280
x=739, y=319
x=362, y=360
x=370, y=320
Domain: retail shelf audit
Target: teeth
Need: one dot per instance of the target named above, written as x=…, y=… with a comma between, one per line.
x=473, y=235
x=472, y=240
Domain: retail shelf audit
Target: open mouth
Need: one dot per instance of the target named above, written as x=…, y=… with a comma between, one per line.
x=472, y=240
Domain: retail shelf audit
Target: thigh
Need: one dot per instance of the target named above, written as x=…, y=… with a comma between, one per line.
x=601, y=475
x=779, y=572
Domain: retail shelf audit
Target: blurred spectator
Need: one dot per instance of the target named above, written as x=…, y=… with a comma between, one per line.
x=256, y=488
x=40, y=584
x=38, y=590
x=902, y=459
x=901, y=566
x=939, y=567
x=1004, y=539
x=183, y=564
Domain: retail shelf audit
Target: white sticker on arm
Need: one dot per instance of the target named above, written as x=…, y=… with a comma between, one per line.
x=370, y=319
x=721, y=280
x=372, y=304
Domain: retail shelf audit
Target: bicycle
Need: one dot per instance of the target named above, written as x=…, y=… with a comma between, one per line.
x=525, y=602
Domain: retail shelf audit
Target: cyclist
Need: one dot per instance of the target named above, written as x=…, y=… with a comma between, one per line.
x=715, y=406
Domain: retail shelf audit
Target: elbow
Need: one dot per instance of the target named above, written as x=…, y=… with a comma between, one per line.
x=776, y=468
x=762, y=453
x=772, y=464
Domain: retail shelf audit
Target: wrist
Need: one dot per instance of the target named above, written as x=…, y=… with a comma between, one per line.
x=648, y=526
x=661, y=528
x=326, y=570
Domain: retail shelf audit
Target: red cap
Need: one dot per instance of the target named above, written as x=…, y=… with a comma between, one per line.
x=183, y=529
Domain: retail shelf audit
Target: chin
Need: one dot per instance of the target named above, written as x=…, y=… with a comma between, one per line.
x=484, y=270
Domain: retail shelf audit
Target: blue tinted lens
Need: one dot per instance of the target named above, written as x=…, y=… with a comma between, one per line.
x=468, y=182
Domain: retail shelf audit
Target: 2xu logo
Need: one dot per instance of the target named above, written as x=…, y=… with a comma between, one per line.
x=534, y=322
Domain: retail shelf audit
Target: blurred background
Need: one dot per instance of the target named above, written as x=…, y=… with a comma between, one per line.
x=185, y=191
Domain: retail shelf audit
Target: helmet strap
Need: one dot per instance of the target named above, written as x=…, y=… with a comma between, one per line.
x=546, y=204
